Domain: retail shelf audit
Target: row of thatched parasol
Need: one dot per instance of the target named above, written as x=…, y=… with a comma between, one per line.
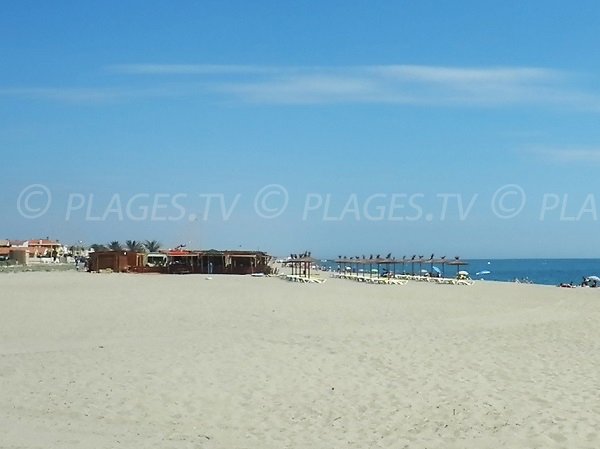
x=301, y=264
x=392, y=262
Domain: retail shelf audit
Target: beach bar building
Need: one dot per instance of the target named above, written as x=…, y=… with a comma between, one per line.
x=217, y=262
x=118, y=261
x=245, y=262
x=180, y=261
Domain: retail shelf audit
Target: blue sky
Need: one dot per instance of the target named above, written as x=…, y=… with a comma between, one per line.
x=374, y=123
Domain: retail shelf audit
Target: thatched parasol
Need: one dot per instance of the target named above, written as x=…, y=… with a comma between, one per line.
x=388, y=260
x=413, y=260
x=442, y=261
x=458, y=263
x=432, y=260
x=341, y=261
x=404, y=264
x=302, y=263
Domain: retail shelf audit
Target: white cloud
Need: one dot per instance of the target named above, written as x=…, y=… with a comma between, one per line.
x=458, y=75
x=385, y=84
x=568, y=155
x=422, y=73
x=303, y=89
x=405, y=84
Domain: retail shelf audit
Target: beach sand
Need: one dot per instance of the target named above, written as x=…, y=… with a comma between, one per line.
x=157, y=361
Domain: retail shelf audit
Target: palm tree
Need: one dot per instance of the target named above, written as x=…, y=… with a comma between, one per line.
x=152, y=246
x=115, y=245
x=97, y=247
x=134, y=245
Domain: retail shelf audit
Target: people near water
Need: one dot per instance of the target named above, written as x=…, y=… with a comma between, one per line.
x=525, y=280
x=591, y=281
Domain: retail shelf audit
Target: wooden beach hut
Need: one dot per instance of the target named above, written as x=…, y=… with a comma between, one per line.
x=118, y=261
x=246, y=262
x=233, y=262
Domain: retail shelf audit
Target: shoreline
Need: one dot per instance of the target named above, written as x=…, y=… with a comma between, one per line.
x=70, y=268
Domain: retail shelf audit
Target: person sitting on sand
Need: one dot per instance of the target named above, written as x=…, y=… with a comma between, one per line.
x=585, y=282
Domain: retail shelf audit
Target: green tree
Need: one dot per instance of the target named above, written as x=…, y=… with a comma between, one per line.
x=115, y=245
x=134, y=245
x=98, y=247
x=152, y=246
x=76, y=249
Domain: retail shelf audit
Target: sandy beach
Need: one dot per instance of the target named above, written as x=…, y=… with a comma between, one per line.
x=158, y=361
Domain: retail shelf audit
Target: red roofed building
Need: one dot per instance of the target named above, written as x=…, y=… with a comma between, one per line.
x=4, y=249
x=34, y=248
x=43, y=248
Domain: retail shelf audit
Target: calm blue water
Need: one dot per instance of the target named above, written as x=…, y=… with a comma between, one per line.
x=538, y=271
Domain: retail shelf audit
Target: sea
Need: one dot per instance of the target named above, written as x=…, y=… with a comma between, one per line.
x=536, y=271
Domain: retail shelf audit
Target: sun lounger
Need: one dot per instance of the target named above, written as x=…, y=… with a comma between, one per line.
x=302, y=279
x=317, y=281
x=398, y=281
x=464, y=282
